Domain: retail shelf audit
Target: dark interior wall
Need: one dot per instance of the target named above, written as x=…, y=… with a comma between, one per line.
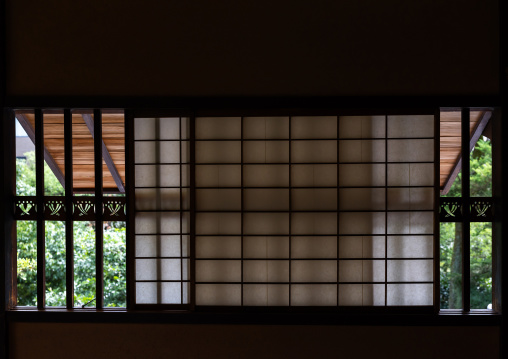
x=256, y=48
x=264, y=48
x=36, y=340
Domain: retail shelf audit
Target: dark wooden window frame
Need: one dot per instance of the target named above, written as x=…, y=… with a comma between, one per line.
x=350, y=316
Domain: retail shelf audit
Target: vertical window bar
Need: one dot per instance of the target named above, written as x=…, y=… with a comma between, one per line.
x=466, y=287
x=130, y=241
x=241, y=207
x=39, y=180
x=386, y=211
x=69, y=224
x=99, y=250
x=159, y=208
x=338, y=211
x=290, y=209
x=192, y=183
x=181, y=208
x=437, y=251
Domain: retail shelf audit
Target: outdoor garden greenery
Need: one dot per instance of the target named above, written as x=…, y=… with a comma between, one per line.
x=84, y=251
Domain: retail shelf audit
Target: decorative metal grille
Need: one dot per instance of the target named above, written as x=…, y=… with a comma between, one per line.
x=481, y=209
x=83, y=208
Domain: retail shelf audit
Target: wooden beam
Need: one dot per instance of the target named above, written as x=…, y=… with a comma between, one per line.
x=105, y=155
x=25, y=123
x=477, y=132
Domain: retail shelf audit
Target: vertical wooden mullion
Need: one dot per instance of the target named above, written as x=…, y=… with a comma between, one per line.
x=338, y=213
x=69, y=224
x=290, y=211
x=437, y=260
x=158, y=208
x=465, y=145
x=130, y=224
x=181, y=208
x=39, y=185
x=99, y=235
x=386, y=210
x=242, y=208
x=192, y=184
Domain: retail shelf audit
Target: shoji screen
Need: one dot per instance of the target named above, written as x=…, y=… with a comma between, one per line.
x=314, y=211
x=162, y=220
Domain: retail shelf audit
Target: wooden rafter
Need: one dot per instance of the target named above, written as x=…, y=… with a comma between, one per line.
x=27, y=126
x=475, y=136
x=106, y=155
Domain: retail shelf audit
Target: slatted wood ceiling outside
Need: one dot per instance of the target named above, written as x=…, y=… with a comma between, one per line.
x=450, y=141
x=113, y=136
x=83, y=147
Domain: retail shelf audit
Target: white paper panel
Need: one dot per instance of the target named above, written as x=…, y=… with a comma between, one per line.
x=218, y=247
x=353, y=199
x=265, y=271
x=146, y=246
x=362, y=151
x=144, y=152
x=185, y=128
x=171, y=269
x=218, y=128
x=314, y=199
x=218, y=271
x=157, y=152
x=265, y=247
x=362, y=271
x=410, y=246
x=361, y=294
x=410, y=174
x=352, y=175
x=146, y=293
x=218, y=294
x=266, y=199
x=410, y=270
x=266, y=175
x=313, y=127
x=421, y=174
x=362, y=247
x=410, y=150
x=313, y=175
x=169, y=175
x=266, y=151
x=265, y=127
x=409, y=294
x=170, y=152
x=410, y=222
x=411, y=126
x=362, y=223
x=171, y=293
x=314, y=271
x=218, y=199
x=169, y=128
x=266, y=223
x=146, y=269
x=314, y=295
x=218, y=223
x=314, y=223
x=218, y=152
x=361, y=126
x=218, y=176
x=144, y=129
x=266, y=294
x=158, y=198
x=313, y=151
x=159, y=222
x=313, y=247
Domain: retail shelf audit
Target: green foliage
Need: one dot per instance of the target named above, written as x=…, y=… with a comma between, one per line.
x=84, y=251
x=480, y=236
